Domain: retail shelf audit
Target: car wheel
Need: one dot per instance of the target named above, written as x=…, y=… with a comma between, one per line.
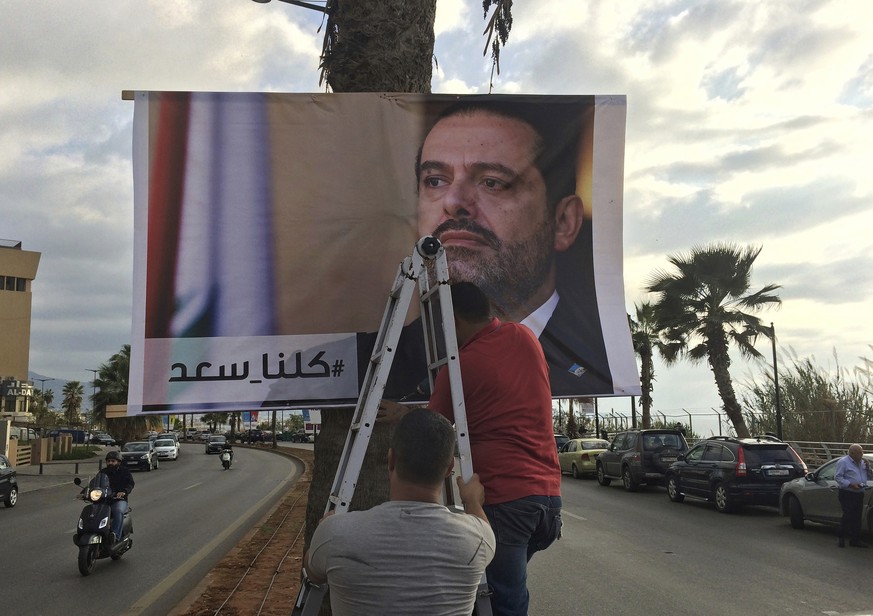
x=723, y=502
x=795, y=512
x=627, y=478
x=602, y=479
x=673, y=490
x=576, y=474
x=12, y=498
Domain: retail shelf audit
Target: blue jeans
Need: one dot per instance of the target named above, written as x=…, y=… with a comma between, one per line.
x=119, y=507
x=522, y=527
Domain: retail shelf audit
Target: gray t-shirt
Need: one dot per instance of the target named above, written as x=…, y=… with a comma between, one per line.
x=402, y=557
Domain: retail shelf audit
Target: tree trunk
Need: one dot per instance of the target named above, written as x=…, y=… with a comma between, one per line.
x=719, y=362
x=646, y=372
x=380, y=46
x=372, y=486
x=372, y=46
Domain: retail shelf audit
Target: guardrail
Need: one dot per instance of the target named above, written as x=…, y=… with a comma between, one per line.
x=815, y=454
x=60, y=464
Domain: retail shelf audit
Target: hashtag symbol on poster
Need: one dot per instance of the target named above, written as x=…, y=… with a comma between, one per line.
x=338, y=367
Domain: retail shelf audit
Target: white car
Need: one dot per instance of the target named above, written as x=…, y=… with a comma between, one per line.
x=167, y=449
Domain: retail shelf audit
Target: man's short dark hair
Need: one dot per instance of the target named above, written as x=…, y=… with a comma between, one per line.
x=470, y=302
x=557, y=125
x=424, y=445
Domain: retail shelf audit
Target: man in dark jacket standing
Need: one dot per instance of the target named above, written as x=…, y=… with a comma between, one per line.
x=121, y=483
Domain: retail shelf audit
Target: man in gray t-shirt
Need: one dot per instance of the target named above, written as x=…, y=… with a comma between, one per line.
x=411, y=554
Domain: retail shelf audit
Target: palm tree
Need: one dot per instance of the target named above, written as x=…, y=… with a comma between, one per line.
x=42, y=413
x=646, y=338
x=72, y=402
x=111, y=388
x=702, y=308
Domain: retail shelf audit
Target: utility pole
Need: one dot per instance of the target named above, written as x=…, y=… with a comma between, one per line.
x=776, y=384
x=93, y=396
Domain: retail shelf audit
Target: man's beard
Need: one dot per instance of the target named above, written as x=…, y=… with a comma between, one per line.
x=509, y=274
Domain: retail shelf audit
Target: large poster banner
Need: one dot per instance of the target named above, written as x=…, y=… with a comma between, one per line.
x=269, y=228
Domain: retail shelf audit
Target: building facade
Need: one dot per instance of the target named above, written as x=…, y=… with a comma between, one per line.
x=17, y=272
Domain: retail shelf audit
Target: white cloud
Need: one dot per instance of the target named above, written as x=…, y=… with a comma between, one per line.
x=747, y=121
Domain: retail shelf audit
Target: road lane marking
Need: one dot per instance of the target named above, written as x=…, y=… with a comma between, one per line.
x=168, y=582
x=193, y=485
x=573, y=515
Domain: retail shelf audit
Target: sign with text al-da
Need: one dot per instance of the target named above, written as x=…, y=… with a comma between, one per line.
x=269, y=228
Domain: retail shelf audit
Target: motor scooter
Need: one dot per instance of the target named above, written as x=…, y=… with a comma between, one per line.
x=226, y=457
x=94, y=530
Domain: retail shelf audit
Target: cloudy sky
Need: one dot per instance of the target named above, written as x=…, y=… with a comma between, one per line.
x=748, y=122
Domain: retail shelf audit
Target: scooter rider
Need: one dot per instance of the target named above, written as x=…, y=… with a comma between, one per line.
x=227, y=448
x=121, y=483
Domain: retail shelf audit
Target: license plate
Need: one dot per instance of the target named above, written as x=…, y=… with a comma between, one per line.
x=777, y=472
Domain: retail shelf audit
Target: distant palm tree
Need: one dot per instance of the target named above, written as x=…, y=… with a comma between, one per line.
x=701, y=310
x=111, y=389
x=110, y=384
x=646, y=338
x=72, y=402
x=43, y=415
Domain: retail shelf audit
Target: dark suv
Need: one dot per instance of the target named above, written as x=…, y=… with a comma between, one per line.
x=733, y=472
x=640, y=456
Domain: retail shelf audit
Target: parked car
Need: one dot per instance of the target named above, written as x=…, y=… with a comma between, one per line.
x=101, y=438
x=734, y=472
x=78, y=436
x=204, y=435
x=191, y=434
x=814, y=497
x=560, y=440
x=23, y=433
x=8, y=482
x=295, y=437
x=215, y=443
x=640, y=457
x=253, y=436
x=578, y=456
x=167, y=449
x=172, y=435
x=140, y=455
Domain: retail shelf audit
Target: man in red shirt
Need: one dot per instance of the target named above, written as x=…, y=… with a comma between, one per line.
x=509, y=415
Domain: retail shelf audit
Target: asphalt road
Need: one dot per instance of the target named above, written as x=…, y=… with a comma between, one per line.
x=637, y=553
x=187, y=516
x=621, y=553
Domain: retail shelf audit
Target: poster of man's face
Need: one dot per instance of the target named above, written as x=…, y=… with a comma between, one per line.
x=269, y=229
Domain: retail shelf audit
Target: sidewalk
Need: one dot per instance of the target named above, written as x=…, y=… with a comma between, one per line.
x=54, y=474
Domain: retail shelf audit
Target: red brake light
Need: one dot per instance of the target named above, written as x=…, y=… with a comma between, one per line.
x=741, y=463
x=584, y=456
x=799, y=459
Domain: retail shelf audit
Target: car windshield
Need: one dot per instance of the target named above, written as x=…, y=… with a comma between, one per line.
x=135, y=447
x=217, y=439
x=164, y=443
x=595, y=444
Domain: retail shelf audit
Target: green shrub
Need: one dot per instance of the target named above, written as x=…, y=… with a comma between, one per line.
x=80, y=453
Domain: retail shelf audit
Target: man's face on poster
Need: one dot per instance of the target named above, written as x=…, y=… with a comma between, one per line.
x=481, y=194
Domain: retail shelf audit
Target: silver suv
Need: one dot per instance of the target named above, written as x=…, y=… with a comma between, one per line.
x=640, y=457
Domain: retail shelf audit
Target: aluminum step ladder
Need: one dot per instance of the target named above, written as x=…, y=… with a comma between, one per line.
x=427, y=269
